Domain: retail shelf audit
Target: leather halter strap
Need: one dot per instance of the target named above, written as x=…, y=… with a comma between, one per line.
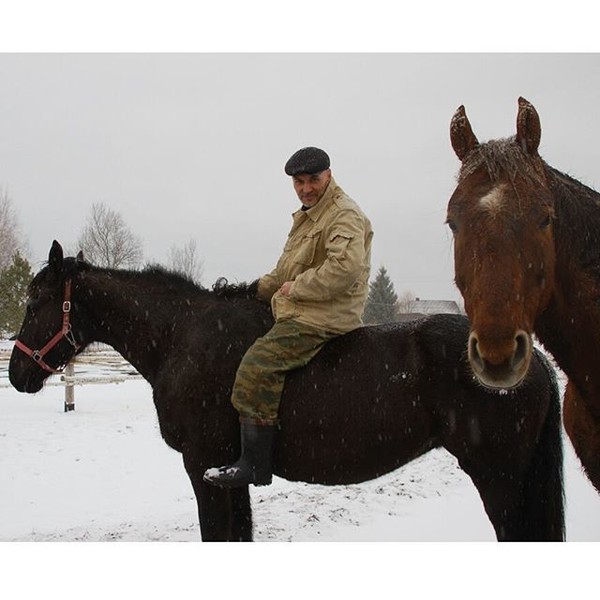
x=65, y=332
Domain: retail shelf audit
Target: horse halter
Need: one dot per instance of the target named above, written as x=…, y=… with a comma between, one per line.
x=65, y=332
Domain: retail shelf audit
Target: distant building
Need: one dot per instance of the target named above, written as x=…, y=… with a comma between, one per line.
x=433, y=307
x=418, y=308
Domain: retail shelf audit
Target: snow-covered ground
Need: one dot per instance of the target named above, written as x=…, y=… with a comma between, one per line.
x=103, y=473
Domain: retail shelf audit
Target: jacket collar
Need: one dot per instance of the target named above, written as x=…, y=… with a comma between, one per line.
x=318, y=209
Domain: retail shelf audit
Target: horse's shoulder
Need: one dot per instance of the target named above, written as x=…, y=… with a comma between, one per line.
x=443, y=336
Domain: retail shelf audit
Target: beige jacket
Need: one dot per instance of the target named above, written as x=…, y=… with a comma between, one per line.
x=328, y=257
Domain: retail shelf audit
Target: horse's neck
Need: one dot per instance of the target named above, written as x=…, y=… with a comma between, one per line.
x=570, y=327
x=125, y=316
x=150, y=320
x=570, y=333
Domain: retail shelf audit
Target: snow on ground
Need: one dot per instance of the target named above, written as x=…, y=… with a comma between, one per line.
x=103, y=473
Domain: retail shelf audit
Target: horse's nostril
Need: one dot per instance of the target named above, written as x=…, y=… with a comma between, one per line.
x=473, y=345
x=522, y=347
x=474, y=354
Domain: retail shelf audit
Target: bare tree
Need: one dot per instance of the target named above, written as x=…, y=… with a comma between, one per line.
x=186, y=260
x=11, y=238
x=107, y=241
x=404, y=302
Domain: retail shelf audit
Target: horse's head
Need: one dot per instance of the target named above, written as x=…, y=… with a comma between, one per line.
x=501, y=215
x=47, y=340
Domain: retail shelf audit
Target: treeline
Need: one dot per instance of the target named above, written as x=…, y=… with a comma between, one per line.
x=14, y=280
x=105, y=240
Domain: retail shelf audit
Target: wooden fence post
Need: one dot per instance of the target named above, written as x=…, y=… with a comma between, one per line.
x=69, y=386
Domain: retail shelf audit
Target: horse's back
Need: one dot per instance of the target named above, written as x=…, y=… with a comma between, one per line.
x=358, y=409
x=380, y=396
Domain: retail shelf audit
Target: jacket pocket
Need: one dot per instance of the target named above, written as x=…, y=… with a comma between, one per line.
x=338, y=244
x=283, y=308
x=307, y=248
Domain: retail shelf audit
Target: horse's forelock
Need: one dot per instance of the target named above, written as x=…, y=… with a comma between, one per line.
x=502, y=157
x=70, y=267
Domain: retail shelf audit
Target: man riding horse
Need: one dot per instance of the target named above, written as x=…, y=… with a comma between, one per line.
x=317, y=291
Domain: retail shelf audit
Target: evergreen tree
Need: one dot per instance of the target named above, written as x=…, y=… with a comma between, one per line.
x=14, y=280
x=381, y=306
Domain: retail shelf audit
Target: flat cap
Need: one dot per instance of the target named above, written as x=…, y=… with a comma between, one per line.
x=307, y=160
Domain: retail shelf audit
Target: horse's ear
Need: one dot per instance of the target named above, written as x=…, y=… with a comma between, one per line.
x=55, y=258
x=79, y=257
x=529, y=128
x=461, y=135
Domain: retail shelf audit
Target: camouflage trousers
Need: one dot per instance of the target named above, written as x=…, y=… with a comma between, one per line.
x=261, y=375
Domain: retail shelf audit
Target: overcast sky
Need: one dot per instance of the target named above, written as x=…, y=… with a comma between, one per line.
x=192, y=146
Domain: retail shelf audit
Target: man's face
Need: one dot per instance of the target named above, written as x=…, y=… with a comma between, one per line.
x=310, y=188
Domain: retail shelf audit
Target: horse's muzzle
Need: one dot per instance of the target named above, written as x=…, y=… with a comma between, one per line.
x=500, y=364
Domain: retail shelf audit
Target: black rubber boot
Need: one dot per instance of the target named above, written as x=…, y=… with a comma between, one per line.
x=255, y=465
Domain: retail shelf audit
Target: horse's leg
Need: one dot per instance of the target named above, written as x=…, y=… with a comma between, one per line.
x=225, y=514
x=523, y=494
x=241, y=526
x=499, y=501
x=503, y=503
x=518, y=506
x=583, y=429
x=535, y=472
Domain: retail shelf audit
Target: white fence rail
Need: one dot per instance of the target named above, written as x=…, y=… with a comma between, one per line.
x=99, y=364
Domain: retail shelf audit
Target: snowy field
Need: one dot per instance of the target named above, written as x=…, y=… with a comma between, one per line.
x=102, y=473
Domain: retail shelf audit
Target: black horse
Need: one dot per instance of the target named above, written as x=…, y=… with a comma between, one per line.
x=370, y=402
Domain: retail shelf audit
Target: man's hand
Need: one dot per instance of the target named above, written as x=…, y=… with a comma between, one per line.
x=286, y=288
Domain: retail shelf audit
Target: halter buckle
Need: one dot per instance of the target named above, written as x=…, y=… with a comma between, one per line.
x=67, y=306
x=35, y=355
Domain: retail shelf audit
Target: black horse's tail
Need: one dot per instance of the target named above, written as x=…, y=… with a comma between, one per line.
x=546, y=519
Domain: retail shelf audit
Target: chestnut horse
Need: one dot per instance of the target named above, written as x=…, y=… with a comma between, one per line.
x=527, y=261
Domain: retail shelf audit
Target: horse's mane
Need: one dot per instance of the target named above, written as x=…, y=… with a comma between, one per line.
x=566, y=185
x=172, y=279
x=184, y=284
x=502, y=156
x=577, y=224
x=224, y=289
x=159, y=275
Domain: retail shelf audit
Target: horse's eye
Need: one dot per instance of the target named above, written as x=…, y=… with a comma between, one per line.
x=33, y=301
x=452, y=225
x=545, y=223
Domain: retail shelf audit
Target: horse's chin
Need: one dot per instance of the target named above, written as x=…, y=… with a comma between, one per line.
x=500, y=379
x=28, y=385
